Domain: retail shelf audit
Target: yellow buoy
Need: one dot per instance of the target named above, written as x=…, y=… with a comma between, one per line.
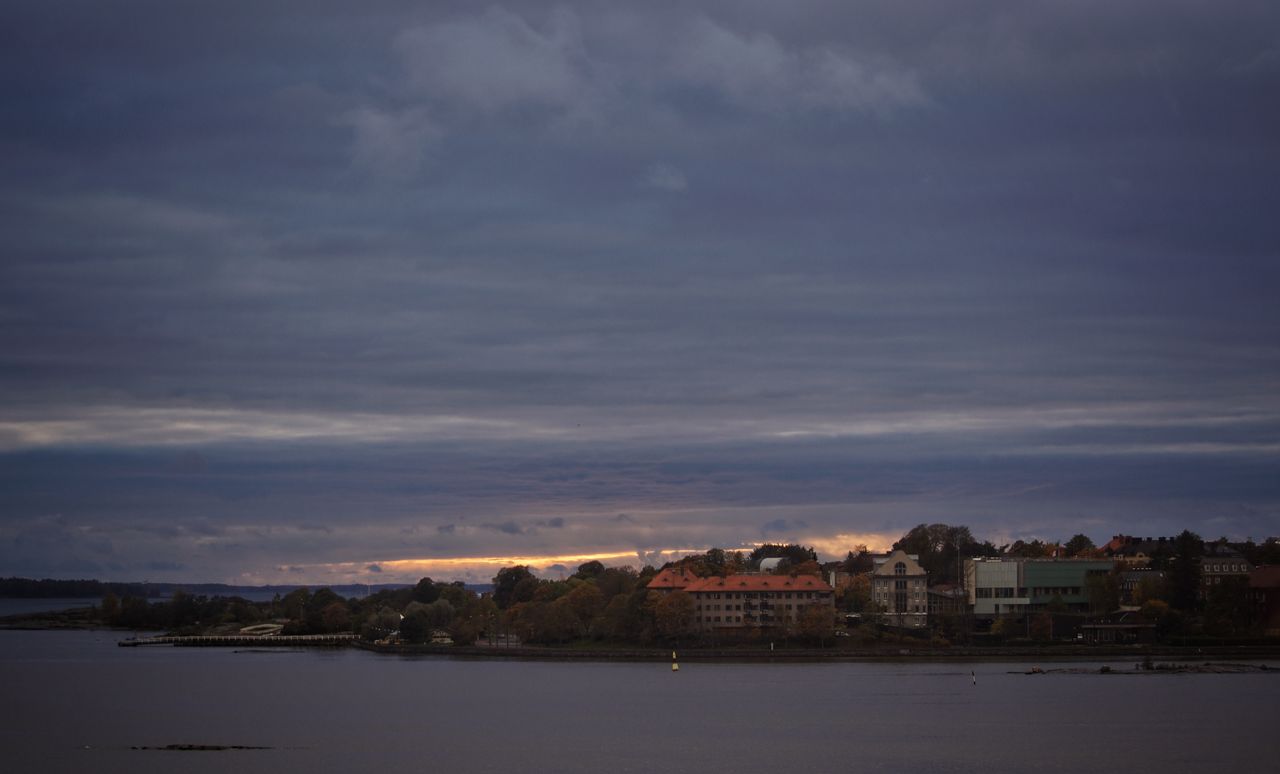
x=675, y=667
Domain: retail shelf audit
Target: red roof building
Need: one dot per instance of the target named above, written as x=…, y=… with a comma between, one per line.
x=672, y=579
x=756, y=601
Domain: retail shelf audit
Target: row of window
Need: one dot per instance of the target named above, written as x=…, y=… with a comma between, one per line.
x=986, y=592
x=1062, y=591
x=1226, y=568
x=882, y=596
x=710, y=607
x=759, y=594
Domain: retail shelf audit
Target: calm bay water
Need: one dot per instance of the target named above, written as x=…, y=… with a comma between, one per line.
x=75, y=702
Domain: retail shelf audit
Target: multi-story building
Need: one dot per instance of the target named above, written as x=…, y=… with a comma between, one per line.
x=1218, y=563
x=739, y=602
x=899, y=586
x=947, y=599
x=1014, y=584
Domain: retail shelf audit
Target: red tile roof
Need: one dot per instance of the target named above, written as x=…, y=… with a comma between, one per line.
x=672, y=578
x=759, y=583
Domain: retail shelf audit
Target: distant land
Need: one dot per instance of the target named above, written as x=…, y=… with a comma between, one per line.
x=29, y=588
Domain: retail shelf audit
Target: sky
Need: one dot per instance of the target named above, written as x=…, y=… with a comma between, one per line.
x=359, y=292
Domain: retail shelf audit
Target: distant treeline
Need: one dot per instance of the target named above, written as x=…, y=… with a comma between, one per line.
x=43, y=589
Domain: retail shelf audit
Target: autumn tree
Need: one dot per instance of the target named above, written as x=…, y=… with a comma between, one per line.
x=673, y=615
x=816, y=623
x=855, y=596
x=586, y=602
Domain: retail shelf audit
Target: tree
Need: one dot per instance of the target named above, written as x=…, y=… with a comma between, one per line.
x=426, y=591
x=110, y=609
x=1078, y=544
x=335, y=617
x=816, y=623
x=856, y=597
x=1184, y=571
x=506, y=582
x=1042, y=627
x=790, y=552
x=616, y=580
x=380, y=624
x=586, y=602
x=415, y=627
x=589, y=570
x=1268, y=552
x=439, y=614
x=673, y=615
x=809, y=567
x=1103, y=590
x=1227, y=610
x=1036, y=549
x=858, y=561
x=940, y=548
x=294, y=604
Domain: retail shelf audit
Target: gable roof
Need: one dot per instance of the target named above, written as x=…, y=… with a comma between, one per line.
x=885, y=566
x=672, y=578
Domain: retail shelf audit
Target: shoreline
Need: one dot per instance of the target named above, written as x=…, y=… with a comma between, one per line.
x=812, y=655
x=1066, y=652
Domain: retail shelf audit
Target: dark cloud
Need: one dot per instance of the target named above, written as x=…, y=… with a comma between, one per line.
x=302, y=291
x=506, y=528
x=783, y=525
x=373, y=568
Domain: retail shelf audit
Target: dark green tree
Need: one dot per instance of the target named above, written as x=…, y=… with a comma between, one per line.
x=589, y=570
x=942, y=549
x=1184, y=571
x=426, y=591
x=1078, y=544
x=790, y=552
x=506, y=582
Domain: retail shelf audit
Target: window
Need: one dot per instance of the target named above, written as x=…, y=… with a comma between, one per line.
x=899, y=569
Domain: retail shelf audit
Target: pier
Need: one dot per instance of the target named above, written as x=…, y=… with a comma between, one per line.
x=242, y=640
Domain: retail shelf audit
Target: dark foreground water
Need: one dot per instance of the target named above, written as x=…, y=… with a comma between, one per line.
x=74, y=702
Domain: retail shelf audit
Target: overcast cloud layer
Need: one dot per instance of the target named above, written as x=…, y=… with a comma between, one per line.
x=336, y=291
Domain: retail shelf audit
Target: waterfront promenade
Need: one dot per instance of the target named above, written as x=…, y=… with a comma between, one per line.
x=241, y=640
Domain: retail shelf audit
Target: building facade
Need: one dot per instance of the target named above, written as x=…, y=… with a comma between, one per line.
x=899, y=585
x=1013, y=584
x=741, y=602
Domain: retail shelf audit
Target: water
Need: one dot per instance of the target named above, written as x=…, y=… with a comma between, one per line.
x=27, y=606
x=76, y=702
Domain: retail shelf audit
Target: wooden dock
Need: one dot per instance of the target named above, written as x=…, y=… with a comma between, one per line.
x=243, y=641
